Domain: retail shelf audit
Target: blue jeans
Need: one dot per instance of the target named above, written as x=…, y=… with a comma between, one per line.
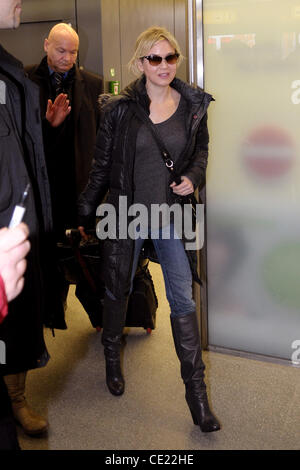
x=175, y=267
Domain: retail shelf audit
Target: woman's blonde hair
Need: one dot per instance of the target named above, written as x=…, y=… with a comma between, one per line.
x=146, y=41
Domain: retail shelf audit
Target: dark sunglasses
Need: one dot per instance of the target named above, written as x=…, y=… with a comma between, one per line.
x=155, y=60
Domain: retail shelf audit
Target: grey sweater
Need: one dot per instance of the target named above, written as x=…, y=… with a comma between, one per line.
x=151, y=177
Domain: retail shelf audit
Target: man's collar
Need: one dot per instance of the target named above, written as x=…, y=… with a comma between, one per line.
x=51, y=72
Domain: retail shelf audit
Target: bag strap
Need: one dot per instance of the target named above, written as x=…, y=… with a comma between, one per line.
x=168, y=161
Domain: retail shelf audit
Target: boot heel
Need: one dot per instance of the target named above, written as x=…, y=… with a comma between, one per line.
x=201, y=414
x=211, y=425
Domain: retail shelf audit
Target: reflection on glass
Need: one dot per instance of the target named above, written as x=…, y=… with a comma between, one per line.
x=252, y=68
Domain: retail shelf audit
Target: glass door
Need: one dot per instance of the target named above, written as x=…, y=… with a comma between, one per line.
x=252, y=68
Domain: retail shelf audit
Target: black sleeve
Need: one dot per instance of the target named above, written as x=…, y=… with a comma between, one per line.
x=197, y=169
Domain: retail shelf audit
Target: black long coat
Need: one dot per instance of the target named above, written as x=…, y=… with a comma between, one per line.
x=114, y=162
x=22, y=161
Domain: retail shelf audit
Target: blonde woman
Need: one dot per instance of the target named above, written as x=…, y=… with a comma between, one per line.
x=157, y=110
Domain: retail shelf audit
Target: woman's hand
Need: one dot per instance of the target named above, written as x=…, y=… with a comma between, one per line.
x=184, y=188
x=14, y=246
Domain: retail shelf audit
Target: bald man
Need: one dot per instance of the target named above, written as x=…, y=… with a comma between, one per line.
x=68, y=98
x=70, y=117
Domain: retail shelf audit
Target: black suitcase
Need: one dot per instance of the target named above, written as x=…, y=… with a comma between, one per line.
x=80, y=262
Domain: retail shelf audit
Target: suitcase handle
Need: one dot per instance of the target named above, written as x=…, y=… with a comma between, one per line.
x=74, y=236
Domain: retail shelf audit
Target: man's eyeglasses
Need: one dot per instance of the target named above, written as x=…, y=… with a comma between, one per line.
x=155, y=60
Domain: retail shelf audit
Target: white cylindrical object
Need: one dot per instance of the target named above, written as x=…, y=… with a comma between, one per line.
x=17, y=216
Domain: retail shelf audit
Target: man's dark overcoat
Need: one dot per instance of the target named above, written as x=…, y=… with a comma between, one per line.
x=21, y=162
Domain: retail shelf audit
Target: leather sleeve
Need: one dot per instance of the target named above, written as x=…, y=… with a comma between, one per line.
x=99, y=176
x=196, y=170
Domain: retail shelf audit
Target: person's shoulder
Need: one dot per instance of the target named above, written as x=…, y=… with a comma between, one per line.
x=117, y=104
x=90, y=77
x=108, y=102
x=37, y=72
x=31, y=69
x=191, y=93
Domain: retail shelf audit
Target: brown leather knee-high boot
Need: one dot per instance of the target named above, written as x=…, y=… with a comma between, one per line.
x=30, y=421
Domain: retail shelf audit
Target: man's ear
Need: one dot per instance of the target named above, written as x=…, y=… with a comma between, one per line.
x=46, y=45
